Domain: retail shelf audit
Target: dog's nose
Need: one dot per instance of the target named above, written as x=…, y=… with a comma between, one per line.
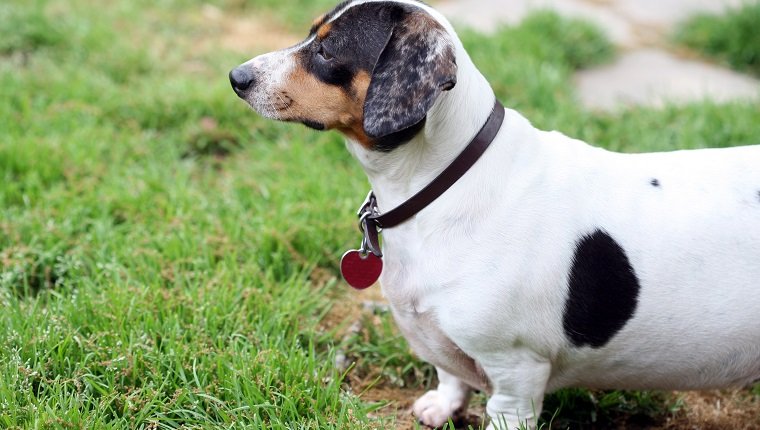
x=241, y=79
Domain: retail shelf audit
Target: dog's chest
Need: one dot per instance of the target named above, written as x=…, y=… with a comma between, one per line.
x=427, y=338
x=418, y=289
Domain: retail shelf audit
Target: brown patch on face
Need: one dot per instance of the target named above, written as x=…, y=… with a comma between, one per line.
x=356, y=130
x=333, y=106
x=318, y=21
x=324, y=31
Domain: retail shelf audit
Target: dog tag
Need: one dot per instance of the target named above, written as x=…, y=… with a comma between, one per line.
x=359, y=270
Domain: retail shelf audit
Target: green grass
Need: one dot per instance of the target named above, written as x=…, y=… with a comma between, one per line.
x=167, y=258
x=732, y=37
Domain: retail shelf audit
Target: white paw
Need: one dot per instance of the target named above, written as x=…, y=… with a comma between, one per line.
x=434, y=409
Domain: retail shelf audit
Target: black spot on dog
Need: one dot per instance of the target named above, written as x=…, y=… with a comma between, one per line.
x=392, y=141
x=758, y=195
x=603, y=291
x=655, y=182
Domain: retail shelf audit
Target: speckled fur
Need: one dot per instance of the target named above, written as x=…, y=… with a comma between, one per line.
x=400, y=96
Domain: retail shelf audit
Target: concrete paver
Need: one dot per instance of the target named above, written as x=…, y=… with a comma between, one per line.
x=627, y=22
x=487, y=15
x=654, y=77
x=645, y=71
x=668, y=12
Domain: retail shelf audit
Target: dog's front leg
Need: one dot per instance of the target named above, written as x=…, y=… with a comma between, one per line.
x=518, y=379
x=435, y=407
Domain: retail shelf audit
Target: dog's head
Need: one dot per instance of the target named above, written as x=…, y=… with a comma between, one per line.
x=370, y=68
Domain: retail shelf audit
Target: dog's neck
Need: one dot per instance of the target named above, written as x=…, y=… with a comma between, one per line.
x=451, y=123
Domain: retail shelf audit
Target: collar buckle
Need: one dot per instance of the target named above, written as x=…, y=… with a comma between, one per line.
x=369, y=226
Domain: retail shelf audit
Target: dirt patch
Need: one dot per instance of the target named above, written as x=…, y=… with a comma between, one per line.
x=717, y=410
x=349, y=306
x=397, y=409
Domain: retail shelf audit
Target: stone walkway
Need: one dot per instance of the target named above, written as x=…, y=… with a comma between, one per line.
x=646, y=71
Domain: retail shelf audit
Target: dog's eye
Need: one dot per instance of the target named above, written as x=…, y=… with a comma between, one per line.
x=324, y=54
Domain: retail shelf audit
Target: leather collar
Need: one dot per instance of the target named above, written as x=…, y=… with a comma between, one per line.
x=370, y=219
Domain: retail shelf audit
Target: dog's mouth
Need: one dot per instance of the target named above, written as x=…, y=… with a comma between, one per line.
x=278, y=86
x=313, y=124
x=278, y=106
x=248, y=86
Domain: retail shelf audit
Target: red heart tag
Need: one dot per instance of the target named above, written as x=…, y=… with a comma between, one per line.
x=359, y=270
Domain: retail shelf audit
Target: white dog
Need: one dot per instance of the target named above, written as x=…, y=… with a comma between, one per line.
x=549, y=263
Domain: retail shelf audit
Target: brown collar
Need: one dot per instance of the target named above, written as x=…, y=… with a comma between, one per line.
x=370, y=219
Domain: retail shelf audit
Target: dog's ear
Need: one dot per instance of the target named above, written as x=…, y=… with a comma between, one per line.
x=417, y=64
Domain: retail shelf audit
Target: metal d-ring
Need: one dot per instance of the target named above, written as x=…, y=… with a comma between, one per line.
x=363, y=221
x=367, y=210
x=363, y=251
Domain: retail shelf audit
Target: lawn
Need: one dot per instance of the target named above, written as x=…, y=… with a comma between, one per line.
x=168, y=259
x=732, y=37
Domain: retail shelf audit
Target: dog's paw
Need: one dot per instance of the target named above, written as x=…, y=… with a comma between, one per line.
x=434, y=409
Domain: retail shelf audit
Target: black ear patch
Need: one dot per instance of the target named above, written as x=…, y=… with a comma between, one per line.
x=603, y=293
x=416, y=66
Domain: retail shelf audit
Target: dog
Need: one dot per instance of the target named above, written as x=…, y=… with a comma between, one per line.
x=550, y=263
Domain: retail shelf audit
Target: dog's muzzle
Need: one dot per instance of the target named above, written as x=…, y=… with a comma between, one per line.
x=241, y=79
